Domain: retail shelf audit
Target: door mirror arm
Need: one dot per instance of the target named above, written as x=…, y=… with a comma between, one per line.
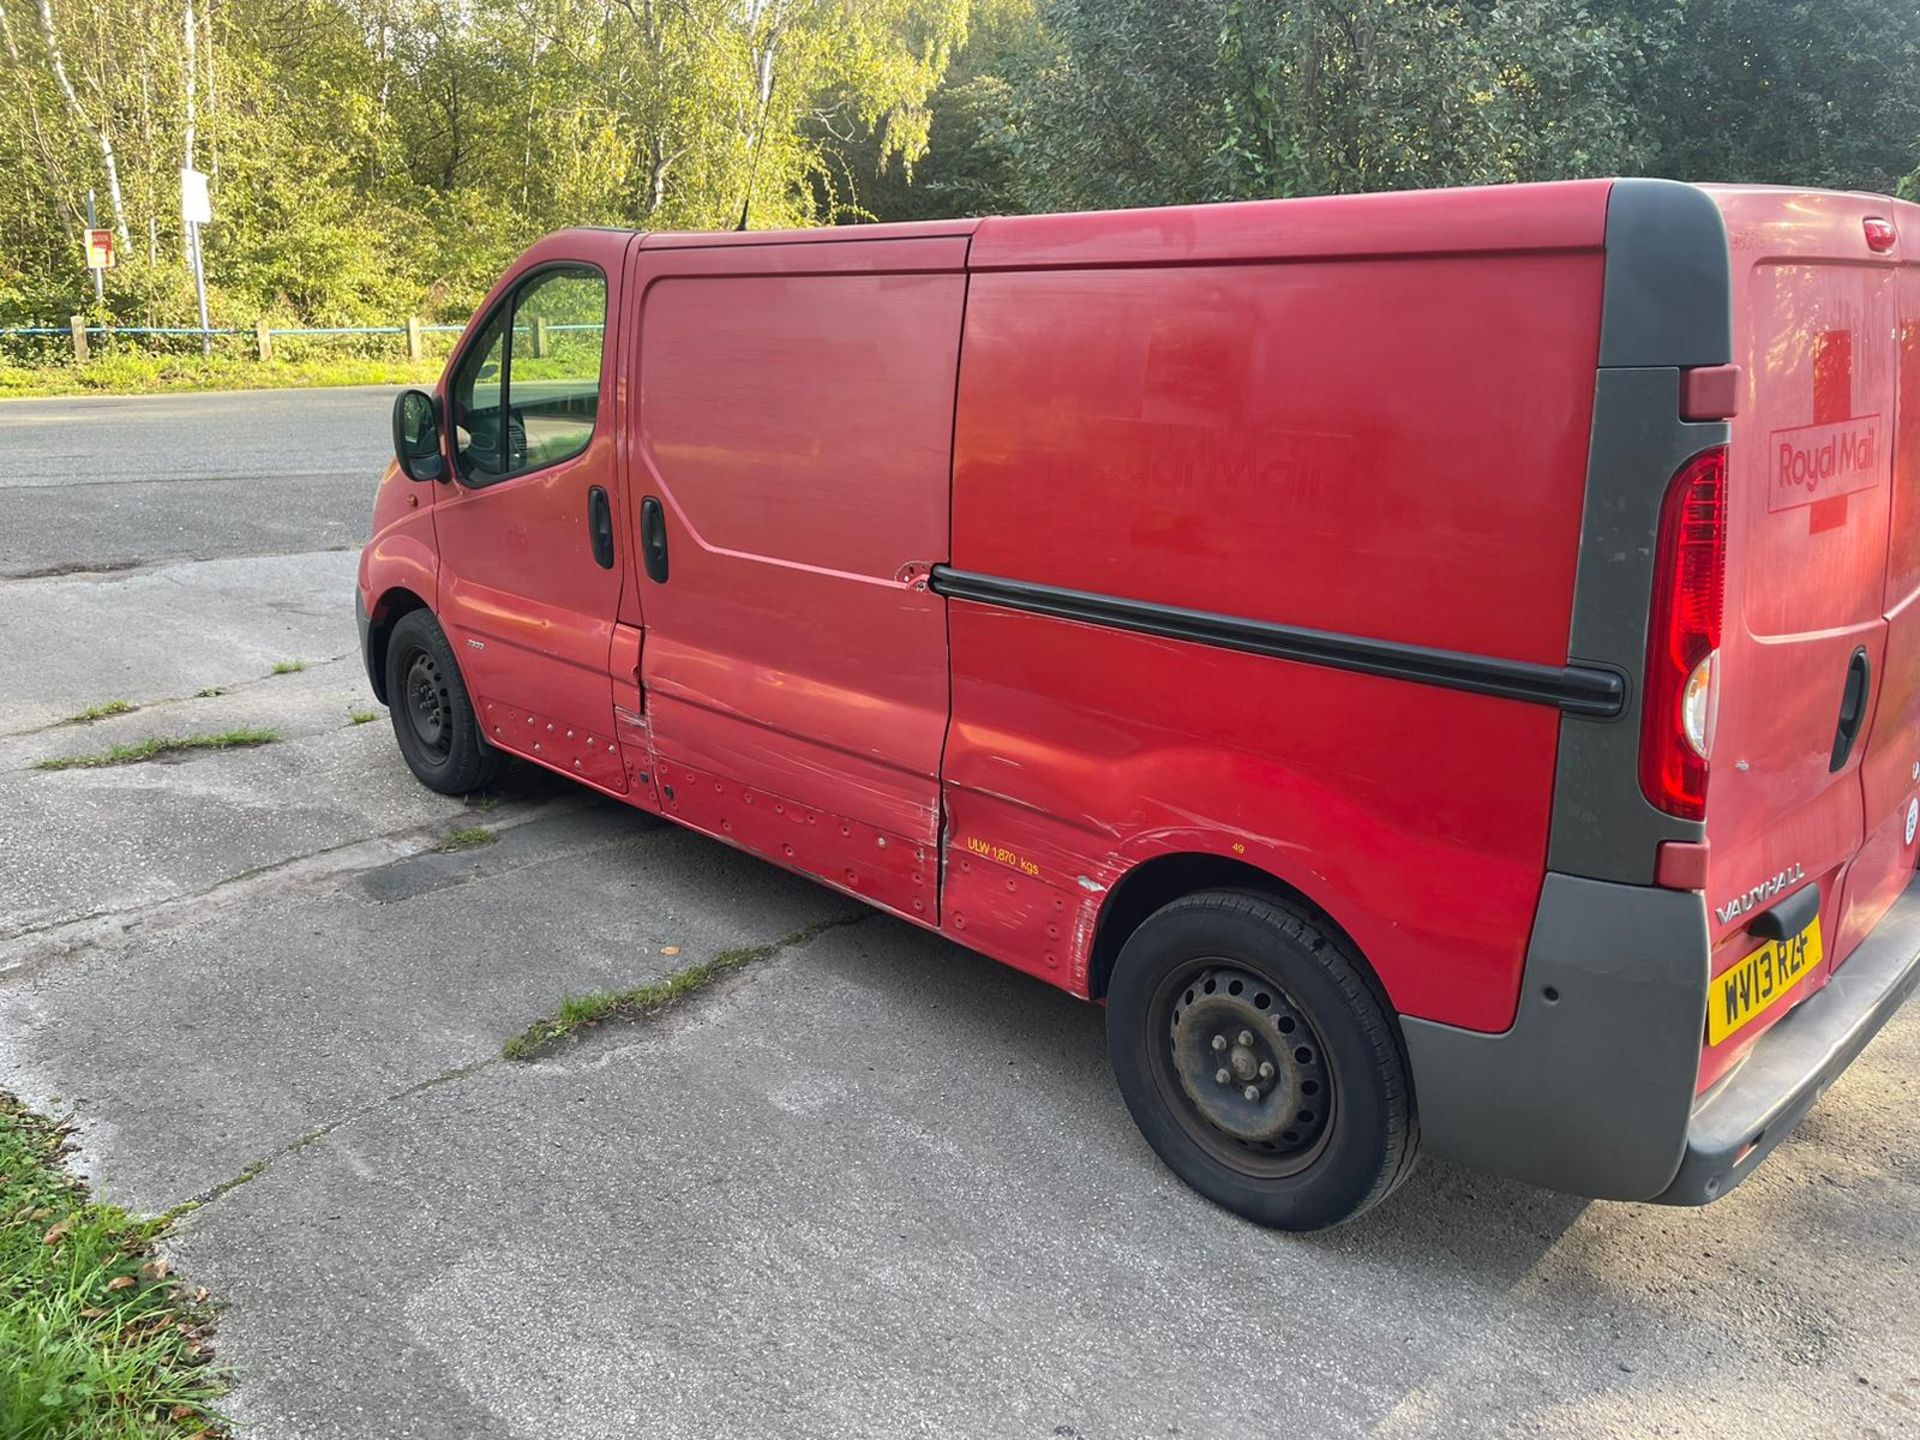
x=417, y=447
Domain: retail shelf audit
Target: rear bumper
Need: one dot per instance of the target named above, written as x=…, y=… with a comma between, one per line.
x=1591, y=1090
x=1790, y=1067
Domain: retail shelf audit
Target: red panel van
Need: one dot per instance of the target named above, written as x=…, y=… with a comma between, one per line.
x=1443, y=668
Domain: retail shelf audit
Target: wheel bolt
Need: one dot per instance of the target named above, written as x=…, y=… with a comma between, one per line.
x=1219, y=1042
x=1252, y=1092
x=1222, y=1076
x=1266, y=1070
x=1246, y=1037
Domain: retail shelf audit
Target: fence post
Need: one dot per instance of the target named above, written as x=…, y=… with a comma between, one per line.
x=263, y=337
x=78, y=324
x=413, y=337
x=539, y=336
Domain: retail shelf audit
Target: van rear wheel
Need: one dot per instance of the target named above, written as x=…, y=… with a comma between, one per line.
x=433, y=719
x=1259, y=1062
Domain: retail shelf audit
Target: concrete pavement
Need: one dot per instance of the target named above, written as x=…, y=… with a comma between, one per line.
x=874, y=1186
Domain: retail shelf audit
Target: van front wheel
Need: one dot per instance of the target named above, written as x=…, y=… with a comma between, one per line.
x=1259, y=1062
x=433, y=719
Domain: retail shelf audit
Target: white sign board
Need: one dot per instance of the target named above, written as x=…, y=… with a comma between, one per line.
x=196, y=208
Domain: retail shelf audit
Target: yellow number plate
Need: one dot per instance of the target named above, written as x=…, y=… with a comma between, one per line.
x=1745, y=989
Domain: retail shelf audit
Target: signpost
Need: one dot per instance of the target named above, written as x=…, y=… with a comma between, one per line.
x=196, y=209
x=99, y=252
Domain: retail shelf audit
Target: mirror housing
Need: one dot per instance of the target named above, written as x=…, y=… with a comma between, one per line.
x=416, y=436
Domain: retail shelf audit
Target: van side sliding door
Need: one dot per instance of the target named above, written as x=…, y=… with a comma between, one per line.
x=791, y=468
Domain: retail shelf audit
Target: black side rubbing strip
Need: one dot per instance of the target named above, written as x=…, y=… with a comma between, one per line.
x=1575, y=689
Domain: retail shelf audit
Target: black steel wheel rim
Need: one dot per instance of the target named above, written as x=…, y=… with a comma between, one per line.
x=429, y=705
x=1236, y=1061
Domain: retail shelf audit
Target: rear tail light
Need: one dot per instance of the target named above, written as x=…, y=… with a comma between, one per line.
x=1683, y=638
x=1881, y=236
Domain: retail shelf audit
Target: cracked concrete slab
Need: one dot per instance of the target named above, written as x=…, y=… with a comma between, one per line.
x=880, y=1186
x=188, y=1057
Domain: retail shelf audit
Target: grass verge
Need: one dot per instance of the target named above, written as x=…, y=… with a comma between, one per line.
x=580, y=1012
x=97, y=1340
x=470, y=837
x=132, y=374
x=159, y=745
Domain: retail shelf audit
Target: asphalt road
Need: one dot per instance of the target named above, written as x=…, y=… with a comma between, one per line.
x=98, y=483
x=873, y=1186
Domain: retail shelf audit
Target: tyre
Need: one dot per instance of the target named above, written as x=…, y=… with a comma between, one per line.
x=1260, y=1062
x=432, y=717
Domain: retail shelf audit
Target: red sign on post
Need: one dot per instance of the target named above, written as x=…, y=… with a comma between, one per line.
x=99, y=249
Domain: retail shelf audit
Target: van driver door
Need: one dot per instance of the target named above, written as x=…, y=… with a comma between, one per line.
x=530, y=564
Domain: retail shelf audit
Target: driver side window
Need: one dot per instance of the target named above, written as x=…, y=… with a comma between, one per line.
x=526, y=394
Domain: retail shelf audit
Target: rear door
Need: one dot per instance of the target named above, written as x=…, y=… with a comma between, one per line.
x=1804, y=656
x=1890, y=766
x=791, y=473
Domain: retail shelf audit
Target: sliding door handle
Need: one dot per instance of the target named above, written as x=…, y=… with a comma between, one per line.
x=653, y=539
x=600, y=526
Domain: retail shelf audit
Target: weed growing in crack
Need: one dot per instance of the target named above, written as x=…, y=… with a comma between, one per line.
x=244, y=738
x=470, y=837
x=101, y=712
x=579, y=1012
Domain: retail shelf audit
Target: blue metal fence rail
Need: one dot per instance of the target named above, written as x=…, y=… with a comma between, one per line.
x=264, y=335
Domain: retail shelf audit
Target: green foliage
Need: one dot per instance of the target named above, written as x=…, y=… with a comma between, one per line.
x=97, y=1341
x=371, y=161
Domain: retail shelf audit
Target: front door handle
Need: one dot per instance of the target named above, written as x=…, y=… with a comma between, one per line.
x=1853, y=709
x=653, y=539
x=600, y=526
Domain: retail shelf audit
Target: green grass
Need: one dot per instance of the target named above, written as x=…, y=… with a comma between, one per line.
x=471, y=837
x=580, y=1012
x=159, y=745
x=289, y=667
x=210, y=692
x=101, y=712
x=136, y=374
x=97, y=1340
x=364, y=717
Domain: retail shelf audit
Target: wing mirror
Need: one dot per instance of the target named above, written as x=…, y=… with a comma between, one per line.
x=416, y=436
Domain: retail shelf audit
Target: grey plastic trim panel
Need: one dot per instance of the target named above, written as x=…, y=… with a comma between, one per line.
x=1667, y=307
x=1793, y=1064
x=1668, y=299
x=1603, y=826
x=1589, y=1091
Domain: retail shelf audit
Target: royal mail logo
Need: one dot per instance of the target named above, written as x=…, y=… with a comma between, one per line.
x=1817, y=462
